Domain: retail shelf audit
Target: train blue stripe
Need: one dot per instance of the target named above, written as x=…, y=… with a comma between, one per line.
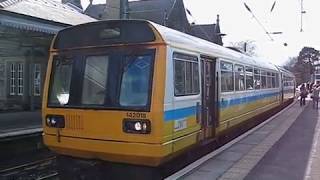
x=179, y=113
x=238, y=101
x=191, y=111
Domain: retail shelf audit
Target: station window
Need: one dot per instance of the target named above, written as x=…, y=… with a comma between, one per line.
x=239, y=77
x=16, y=79
x=186, y=75
x=37, y=79
x=12, y=79
x=249, y=78
x=257, y=79
x=227, y=77
x=20, y=79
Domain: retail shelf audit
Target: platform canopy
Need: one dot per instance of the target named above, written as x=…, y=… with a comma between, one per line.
x=45, y=16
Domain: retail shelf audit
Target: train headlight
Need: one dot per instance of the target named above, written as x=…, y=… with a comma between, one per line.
x=56, y=121
x=53, y=122
x=136, y=126
x=48, y=120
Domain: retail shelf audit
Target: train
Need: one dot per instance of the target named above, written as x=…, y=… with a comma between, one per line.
x=138, y=93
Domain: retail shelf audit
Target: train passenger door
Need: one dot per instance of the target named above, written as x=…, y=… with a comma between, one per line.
x=209, y=96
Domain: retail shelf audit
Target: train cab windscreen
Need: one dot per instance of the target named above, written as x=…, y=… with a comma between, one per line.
x=116, y=80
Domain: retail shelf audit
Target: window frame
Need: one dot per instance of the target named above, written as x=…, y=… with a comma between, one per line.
x=81, y=56
x=194, y=61
x=252, y=76
x=38, y=84
x=233, y=76
x=244, y=77
x=83, y=74
x=147, y=105
x=12, y=83
x=263, y=73
x=20, y=79
x=256, y=73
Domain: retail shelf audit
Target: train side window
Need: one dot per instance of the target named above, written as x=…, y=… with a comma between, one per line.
x=227, y=76
x=263, y=79
x=195, y=78
x=257, y=79
x=284, y=81
x=186, y=75
x=188, y=78
x=249, y=78
x=273, y=80
x=239, y=77
x=269, y=80
x=179, y=77
x=277, y=80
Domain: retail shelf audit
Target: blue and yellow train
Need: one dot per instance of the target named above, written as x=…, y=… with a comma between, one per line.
x=135, y=92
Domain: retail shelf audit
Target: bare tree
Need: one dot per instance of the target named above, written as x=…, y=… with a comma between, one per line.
x=290, y=63
x=247, y=46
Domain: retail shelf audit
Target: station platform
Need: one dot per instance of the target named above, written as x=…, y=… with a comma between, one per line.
x=19, y=123
x=284, y=147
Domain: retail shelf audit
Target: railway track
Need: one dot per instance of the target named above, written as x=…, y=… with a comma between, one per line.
x=49, y=176
x=35, y=170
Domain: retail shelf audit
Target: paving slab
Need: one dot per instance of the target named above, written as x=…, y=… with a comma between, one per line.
x=242, y=148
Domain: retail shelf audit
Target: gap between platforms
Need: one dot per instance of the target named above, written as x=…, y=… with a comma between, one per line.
x=230, y=172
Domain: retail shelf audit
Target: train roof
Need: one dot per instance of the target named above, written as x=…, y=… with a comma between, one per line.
x=147, y=32
x=181, y=40
x=286, y=72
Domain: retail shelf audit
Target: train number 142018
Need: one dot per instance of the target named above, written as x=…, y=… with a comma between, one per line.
x=136, y=115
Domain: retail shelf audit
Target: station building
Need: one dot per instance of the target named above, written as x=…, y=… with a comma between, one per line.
x=26, y=30
x=169, y=13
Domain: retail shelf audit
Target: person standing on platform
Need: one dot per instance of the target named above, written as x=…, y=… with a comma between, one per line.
x=315, y=96
x=303, y=94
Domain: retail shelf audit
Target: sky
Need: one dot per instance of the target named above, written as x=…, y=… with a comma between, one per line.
x=239, y=24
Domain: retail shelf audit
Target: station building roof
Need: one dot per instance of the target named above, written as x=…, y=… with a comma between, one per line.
x=40, y=15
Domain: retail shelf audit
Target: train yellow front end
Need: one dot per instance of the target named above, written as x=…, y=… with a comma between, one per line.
x=106, y=101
